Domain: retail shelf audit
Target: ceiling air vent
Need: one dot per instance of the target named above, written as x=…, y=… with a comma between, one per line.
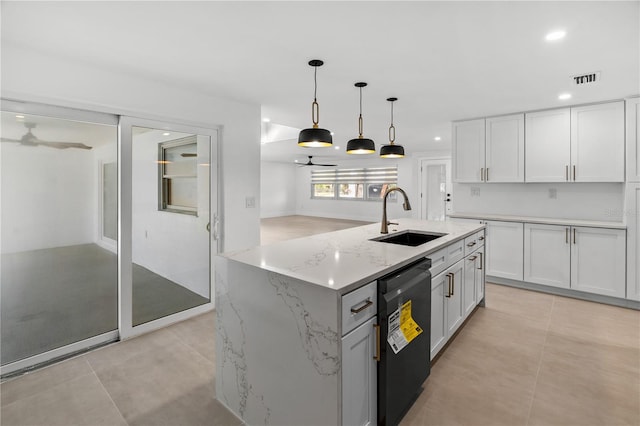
x=582, y=79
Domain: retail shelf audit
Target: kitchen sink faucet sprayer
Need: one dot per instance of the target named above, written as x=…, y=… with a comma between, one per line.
x=406, y=205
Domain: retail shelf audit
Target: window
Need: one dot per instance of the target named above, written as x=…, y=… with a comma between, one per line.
x=354, y=184
x=178, y=169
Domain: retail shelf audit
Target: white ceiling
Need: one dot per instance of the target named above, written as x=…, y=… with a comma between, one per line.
x=443, y=60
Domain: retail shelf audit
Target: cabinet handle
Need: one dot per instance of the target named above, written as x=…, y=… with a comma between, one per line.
x=367, y=303
x=377, y=355
x=574, y=173
x=480, y=254
x=566, y=235
x=453, y=284
x=574, y=235
x=473, y=259
x=471, y=244
x=482, y=173
x=566, y=173
x=486, y=174
x=448, y=286
x=481, y=238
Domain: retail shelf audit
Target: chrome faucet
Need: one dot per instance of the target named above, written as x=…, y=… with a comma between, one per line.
x=405, y=205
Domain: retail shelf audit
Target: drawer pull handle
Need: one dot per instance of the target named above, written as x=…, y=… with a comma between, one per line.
x=480, y=260
x=471, y=244
x=481, y=238
x=473, y=259
x=363, y=307
x=377, y=355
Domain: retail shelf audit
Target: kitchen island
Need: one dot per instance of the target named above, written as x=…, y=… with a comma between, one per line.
x=280, y=323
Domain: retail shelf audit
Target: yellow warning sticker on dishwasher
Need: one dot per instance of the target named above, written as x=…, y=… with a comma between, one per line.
x=402, y=328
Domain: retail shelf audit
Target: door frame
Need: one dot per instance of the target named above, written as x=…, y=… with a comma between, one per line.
x=422, y=184
x=125, y=259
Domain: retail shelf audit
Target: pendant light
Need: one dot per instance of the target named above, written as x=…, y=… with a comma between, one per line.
x=392, y=150
x=360, y=145
x=315, y=137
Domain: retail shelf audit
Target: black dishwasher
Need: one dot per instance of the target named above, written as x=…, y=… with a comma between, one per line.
x=404, y=315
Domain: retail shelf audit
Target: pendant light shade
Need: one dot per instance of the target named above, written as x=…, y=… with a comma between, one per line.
x=314, y=136
x=392, y=150
x=360, y=145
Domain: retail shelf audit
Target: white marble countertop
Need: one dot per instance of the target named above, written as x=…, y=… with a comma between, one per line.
x=344, y=260
x=542, y=220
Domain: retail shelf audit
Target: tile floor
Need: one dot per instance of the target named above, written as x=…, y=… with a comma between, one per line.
x=525, y=359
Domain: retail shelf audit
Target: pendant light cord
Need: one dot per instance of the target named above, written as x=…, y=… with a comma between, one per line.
x=315, y=108
x=360, y=126
x=392, y=128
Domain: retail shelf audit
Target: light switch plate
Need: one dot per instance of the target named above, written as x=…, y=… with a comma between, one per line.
x=475, y=191
x=553, y=193
x=250, y=202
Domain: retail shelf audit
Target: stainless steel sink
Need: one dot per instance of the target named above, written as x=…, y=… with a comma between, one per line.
x=409, y=238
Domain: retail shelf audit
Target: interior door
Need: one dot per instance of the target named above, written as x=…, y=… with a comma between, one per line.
x=168, y=211
x=435, y=189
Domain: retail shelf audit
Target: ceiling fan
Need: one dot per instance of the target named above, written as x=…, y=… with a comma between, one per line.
x=310, y=163
x=29, y=139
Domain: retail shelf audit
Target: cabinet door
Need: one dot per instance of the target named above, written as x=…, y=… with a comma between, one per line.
x=359, y=376
x=597, y=143
x=455, y=305
x=468, y=151
x=547, y=254
x=633, y=140
x=469, y=283
x=505, y=149
x=504, y=249
x=480, y=275
x=548, y=145
x=438, y=312
x=633, y=241
x=598, y=260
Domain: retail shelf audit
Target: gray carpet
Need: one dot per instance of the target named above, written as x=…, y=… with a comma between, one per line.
x=53, y=297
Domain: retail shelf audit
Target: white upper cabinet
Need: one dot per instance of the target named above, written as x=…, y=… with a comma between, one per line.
x=598, y=260
x=505, y=149
x=633, y=140
x=468, y=151
x=548, y=145
x=597, y=143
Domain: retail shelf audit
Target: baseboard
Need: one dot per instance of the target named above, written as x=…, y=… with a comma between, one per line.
x=623, y=303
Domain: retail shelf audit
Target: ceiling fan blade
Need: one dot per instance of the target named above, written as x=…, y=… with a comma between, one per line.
x=10, y=140
x=63, y=145
x=327, y=165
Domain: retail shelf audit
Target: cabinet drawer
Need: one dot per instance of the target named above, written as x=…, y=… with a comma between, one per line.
x=472, y=242
x=358, y=306
x=439, y=261
x=455, y=252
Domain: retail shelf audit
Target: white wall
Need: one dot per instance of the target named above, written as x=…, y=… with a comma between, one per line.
x=39, y=77
x=277, y=189
x=589, y=201
x=48, y=197
x=359, y=210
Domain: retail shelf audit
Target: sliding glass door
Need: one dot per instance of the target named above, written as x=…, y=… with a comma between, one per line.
x=58, y=272
x=171, y=231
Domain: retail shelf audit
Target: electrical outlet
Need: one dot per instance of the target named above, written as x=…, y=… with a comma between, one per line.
x=250, y=202
x=475, y=191
x=553, y=193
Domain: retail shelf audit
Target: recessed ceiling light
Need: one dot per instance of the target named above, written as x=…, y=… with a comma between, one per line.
x=564, y=96
x=295, y=161
x=19, y=116
x=332, y=133
x=437, y=138
x=166, y=134
x=555, y=35
x=266, y=120
x=337, y=147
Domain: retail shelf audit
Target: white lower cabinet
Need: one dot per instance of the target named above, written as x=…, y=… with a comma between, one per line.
x=580, y=258
x=480, y=262
x=598, y=260
x=469, y=283
x=504, y=249
x=633, y=241
x=547, y=254
x=359, y=376
x=447, y=305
